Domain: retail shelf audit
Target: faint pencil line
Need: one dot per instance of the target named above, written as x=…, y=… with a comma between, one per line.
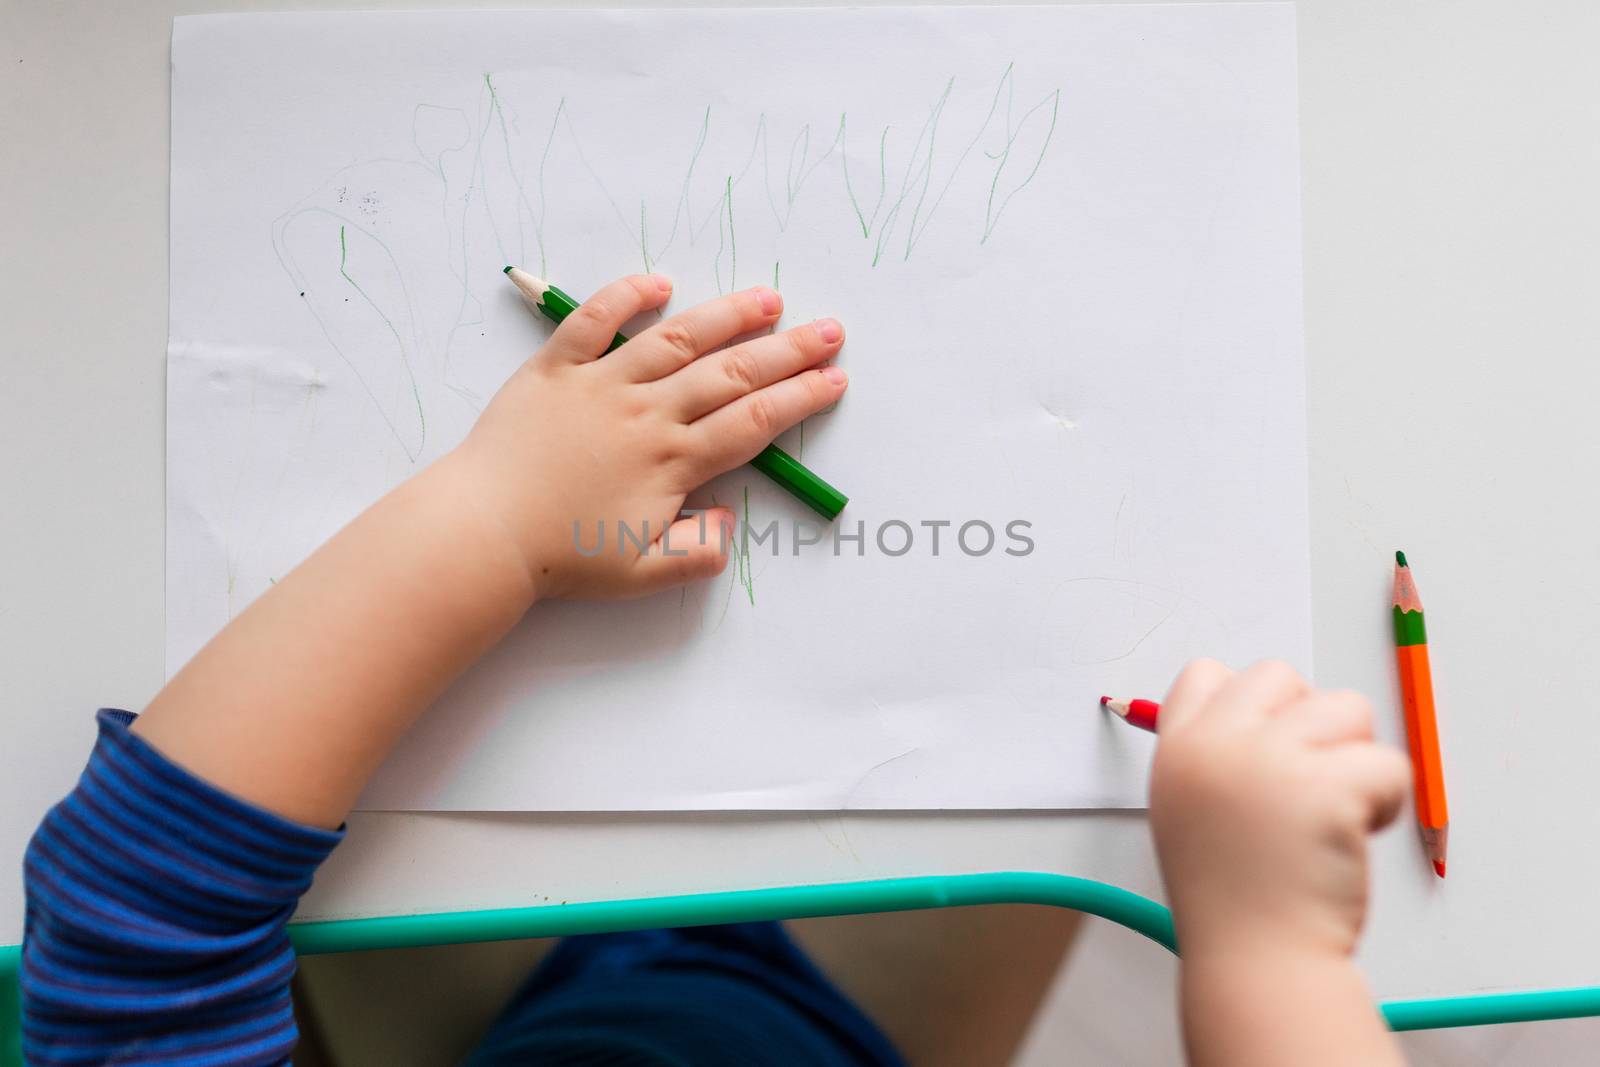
x=991, y=214
x=913, y=234
x=730, y=245
x=405, y=361
x=544, y=158
x=535, y=218
x=747, y=574
x=865, y=223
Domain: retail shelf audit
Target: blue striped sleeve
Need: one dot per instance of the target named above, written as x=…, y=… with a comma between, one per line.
x=156, y=907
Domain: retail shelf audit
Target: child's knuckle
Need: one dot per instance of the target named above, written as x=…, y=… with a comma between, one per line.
x=763, y=416
x=595, y=313
x=742, y=370
x=679, y=338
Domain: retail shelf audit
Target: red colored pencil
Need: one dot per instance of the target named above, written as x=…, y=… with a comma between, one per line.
x=1140, y=713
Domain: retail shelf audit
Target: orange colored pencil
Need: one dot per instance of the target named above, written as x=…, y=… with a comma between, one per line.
x=1422, y=727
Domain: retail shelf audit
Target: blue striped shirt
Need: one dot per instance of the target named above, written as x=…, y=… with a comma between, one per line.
x=155, y=933
x=155, y=917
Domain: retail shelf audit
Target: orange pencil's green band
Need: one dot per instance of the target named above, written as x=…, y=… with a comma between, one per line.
x=1409, y=628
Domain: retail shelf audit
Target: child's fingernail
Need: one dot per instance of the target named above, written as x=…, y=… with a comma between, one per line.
x=663, y=282
x=771, y=303
x=835, y=375
x=829, y=330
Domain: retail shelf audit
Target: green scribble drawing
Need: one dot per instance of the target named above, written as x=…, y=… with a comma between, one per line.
x=544, y=158
x=912, y=232
x=465, y=156
x=733, y=241
x=758, y=143
x=476, y=182
x=747, y=574
x=991, y=213
x=342, y=255
x=798, y=168
x=599, y=183
x=899, y=215
x=926, y=173
x=280, y=248
x=516, y=180
x=684, y=206
x=437, y=159
x=731, y=244
x=285, y=258
x=644, y=239
x=757, y=146
x=683, y=210
x=913, y=172
x=864, y=221
x=479, y=178
x=436, y=167
x=405, y=361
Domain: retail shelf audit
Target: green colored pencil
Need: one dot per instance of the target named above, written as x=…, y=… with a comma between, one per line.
x=792, y=475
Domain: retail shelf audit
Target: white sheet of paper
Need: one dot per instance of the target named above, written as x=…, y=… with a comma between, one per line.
x=1065, y=245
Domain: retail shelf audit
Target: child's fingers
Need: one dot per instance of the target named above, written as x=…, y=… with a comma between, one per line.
x=585, y=334
x=1379, y=774
x=669, y=346
x=1258, y=693
x=1190, y=692
x=734, y=433
x=707, y=384
x=692, y=549
x=1328, y=717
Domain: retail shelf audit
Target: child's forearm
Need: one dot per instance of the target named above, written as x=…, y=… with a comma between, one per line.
x=294, y=704
x=1261, y=1008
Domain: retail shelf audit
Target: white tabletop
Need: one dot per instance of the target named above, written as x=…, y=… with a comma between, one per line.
x=1452, y=319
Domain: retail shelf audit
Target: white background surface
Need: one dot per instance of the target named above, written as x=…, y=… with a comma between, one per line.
x=1132, y=390
x=1450, y=163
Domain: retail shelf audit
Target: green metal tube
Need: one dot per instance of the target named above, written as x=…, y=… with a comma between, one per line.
x=1120, y=906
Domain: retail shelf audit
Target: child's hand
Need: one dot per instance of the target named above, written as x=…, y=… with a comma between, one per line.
x=1262, y=795
x=574, y=438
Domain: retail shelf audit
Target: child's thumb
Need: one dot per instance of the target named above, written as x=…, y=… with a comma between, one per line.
x=692, y=549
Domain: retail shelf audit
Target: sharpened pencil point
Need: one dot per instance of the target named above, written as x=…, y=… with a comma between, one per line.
x=1438, y=868
x=507, y=270
x=1104, y=701
x=1400, y=558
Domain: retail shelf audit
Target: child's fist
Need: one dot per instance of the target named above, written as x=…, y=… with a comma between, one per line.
x=1262, y=795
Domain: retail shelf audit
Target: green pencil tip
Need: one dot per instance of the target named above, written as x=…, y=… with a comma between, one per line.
x=507, y=270
x=1400, y=558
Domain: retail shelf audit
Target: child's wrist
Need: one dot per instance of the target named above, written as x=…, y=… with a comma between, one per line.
x=1257, y=945
x=464, y=487
x=1265, y=1004
x=1254, y=932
